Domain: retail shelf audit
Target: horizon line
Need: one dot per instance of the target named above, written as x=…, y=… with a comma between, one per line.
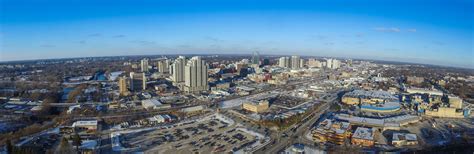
x=303, y=55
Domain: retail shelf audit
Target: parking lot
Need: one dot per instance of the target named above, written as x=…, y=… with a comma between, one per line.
x=437, y=131
x=288, y=101
x=45, y=141
x=205, y=137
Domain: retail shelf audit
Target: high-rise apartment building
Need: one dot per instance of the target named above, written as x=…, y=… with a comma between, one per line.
x=122, y=83
x=336, y=64
x=295, y=62
x=329, y=63
x=144, y=65
x=195, y=75
x=333, y=63
x=163, y=66
x=177, y=70
x=301, y=63
x=284, y=62
x=137, y=81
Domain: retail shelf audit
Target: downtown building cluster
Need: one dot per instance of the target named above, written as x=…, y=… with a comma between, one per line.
x=296, y=62
x=189, y=75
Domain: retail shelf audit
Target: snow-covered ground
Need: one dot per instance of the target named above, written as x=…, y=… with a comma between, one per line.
x=255, y=146
x=232, y=103
x=114, y=75
x=224, y=119
x=116, y=145
x=89, y=144
x=48, y=131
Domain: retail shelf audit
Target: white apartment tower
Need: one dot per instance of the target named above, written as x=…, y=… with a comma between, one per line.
x=163, y=66
x=284, y=62
x=336, y=64
x=195, y=75
x=177, y=70
x=329, y=63
x=144, y=65
x=295, y=62
x=333, y=63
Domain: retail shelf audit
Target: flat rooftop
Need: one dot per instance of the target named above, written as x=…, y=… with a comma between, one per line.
x=382, y=106
x=371, y=94
x=85, y=123
x=363, y=133
x=397, y=120
x=404, y=136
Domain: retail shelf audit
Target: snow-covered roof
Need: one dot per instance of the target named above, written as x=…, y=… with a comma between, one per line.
x=363, y=133
x=85, y=123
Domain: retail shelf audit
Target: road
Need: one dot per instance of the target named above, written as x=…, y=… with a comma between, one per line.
x=297, y=136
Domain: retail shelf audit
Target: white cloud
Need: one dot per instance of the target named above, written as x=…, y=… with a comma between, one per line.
x=385, y=29
x=412, y=30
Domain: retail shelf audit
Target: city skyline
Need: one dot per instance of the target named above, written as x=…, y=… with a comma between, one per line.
x=441, y=34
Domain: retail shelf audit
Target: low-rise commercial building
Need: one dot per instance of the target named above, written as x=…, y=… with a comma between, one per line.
x=446, y=112
x=369, y=97
x=332, y=131
x=415, y=79
x=381, y=107
x=424, y=91
x=455, y=102
x=154, y=104
x=85, y=125
x=391, y=123
x=363, y=137
x=256, y=106
x=193, y=109
x=404, y=139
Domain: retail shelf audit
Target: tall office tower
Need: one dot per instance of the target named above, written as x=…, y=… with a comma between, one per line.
x=122, y=83
x=314, y=63
x=195, y=75
x=137, y=81
x=266, y=62
x=163, y=66
x=349, y=62
x=177, y=70
x=295, y=62
x=144, y=65
x=301, y=63
x=256, y=58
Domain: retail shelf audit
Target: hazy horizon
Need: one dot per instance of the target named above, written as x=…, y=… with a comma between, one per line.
x=426, y=32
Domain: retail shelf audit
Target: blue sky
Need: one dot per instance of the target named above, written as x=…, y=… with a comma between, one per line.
x=429, y=31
